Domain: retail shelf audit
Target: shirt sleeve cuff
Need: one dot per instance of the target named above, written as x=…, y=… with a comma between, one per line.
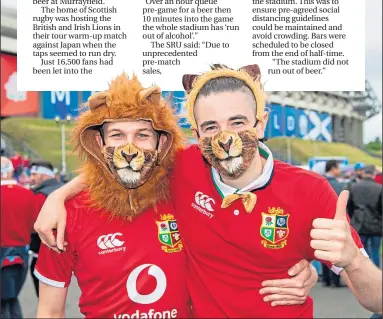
x=47, y=281
x=338, y=270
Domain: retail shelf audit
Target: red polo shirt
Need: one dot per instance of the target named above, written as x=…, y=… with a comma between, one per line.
x=18, y=214
x=231, y=252
x=124, y=269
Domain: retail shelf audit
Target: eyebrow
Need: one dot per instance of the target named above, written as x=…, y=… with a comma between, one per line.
x=145, y=130
x=113, y=130
x=238, y=117
x=207, y=123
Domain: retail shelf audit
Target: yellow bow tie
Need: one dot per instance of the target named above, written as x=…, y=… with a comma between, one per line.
x=248, y=199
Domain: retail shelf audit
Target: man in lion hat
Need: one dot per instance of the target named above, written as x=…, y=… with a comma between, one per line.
x=123, y=242
x=225, y=228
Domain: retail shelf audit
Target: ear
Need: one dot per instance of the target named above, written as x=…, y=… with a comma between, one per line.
x=99, y=99
x=163, y=140
x=253, y=70
x=99, y=140
x=261, y=126
x=152, y=94
x=188, y=80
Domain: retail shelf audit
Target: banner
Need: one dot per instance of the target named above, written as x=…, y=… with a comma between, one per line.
x=276, y=120
x=177, y=101
x=290, y=121
x=60, y=103
x=15, y=102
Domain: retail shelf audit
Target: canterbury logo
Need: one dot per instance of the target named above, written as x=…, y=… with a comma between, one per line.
x=109, y=241
x=204, y=201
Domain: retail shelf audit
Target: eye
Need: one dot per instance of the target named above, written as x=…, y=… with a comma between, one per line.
x=238, y=124
x=116, y=135
x=210, y=128
x=142, y=136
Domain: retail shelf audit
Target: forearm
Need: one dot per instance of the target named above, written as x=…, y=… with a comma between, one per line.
x=365, y=280
x=47, y=313
x=70, y=189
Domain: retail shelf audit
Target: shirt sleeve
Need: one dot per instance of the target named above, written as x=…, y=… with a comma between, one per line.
x=324, y=206
x=55, y=269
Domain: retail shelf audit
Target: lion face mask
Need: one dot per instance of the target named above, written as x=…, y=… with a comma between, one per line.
x=130, y=165
x=230, y=153
x=125, y=180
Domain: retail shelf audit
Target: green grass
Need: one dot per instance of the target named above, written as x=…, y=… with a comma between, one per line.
x=377, y=152
x=301, y=150
x=44, y=137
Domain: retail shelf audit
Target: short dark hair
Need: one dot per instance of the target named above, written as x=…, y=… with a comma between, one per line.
x=225, y=84
x=42, y=163
x=331, y=164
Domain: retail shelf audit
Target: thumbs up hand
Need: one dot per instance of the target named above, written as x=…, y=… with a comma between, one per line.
x=331, y=238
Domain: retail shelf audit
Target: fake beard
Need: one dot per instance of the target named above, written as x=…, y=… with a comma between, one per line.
x=230, y=153
x=130, y=165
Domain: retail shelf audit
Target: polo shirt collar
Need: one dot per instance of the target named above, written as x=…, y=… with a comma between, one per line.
x=225, y=190
x=8, y=182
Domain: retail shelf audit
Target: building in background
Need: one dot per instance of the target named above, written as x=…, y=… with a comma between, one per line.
x=317, y=116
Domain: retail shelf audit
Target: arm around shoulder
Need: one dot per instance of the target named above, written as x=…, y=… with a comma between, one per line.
x=70, y=189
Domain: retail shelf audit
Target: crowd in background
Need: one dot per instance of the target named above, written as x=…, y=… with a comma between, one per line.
x=364, y=182
x=25, y=186
x=22, y=170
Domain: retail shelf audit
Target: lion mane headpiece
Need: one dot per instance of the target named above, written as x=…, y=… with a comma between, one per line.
x=250, y=75
x=125, y=100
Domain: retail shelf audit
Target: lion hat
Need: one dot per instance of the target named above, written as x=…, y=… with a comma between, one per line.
x=250, y=75
x=126, y=100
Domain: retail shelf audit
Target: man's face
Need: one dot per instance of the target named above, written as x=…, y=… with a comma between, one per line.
x=225, y=122
x=130, y=150
x=337, y=171
x=37, y=179
x=226, y=111
x=140, y=133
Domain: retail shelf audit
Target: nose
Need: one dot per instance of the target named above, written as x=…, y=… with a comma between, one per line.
x=226, y=146
x=128, y=157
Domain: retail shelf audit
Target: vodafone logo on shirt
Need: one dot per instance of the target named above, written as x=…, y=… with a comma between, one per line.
x=154, y=296
x=204, y=204
x=131, y=284
x=110, y=243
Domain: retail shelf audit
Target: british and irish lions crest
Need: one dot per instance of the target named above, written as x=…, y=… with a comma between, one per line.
x=274, y=228
x=168, y=234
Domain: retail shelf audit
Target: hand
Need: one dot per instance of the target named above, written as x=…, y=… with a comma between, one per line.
x=52, y=216
x=331, y=238
x=292, y=291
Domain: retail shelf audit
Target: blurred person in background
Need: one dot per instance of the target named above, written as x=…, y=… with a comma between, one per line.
x=26, y=162
x=378, y=177
x=357, y=175
x=18, y=215
x=43, y=183
x=17, y=163
x=332, y=173
x=365, y=210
